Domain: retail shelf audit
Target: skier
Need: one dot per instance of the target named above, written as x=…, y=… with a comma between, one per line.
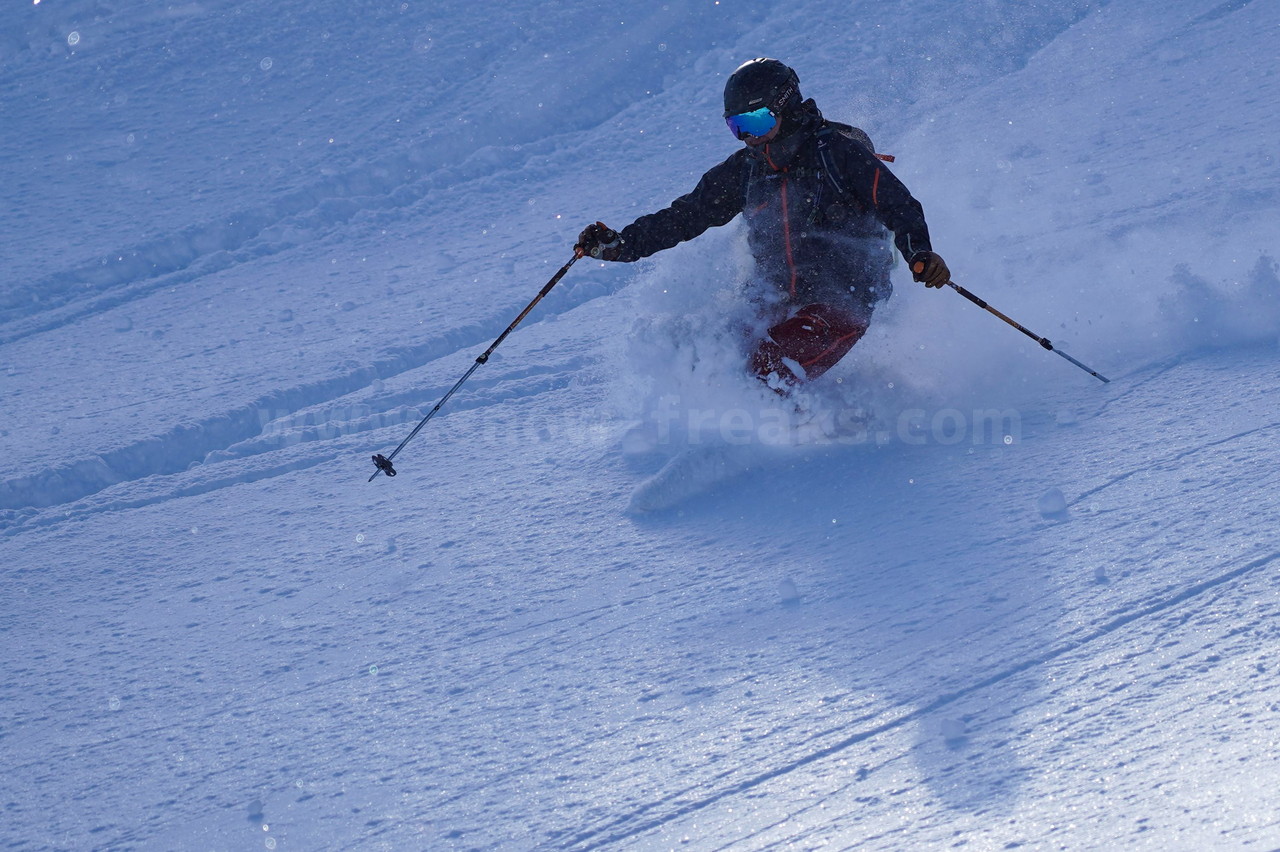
x=817, y=202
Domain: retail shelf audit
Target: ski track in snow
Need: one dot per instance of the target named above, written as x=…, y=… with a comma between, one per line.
x=683, y=803
x=219, y=636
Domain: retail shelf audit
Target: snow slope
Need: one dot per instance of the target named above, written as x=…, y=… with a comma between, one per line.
x=249, y=244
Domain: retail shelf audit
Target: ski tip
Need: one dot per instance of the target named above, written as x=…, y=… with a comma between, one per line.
x=688, y=474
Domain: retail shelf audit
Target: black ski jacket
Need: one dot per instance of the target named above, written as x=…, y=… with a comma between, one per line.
x=818, y=235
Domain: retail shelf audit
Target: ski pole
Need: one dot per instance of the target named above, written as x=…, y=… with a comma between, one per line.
x=1037, y=338
x=383, y=463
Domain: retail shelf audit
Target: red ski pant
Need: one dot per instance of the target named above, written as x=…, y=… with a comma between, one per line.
x=815, y=337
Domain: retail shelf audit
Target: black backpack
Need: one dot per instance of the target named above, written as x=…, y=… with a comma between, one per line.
x=848, y=131
x=856, y=134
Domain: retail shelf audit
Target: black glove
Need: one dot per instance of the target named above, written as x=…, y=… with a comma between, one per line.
x=928, y=267
x=600, y=241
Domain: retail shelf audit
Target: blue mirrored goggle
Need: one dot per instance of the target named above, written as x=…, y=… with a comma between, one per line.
x=758, y=122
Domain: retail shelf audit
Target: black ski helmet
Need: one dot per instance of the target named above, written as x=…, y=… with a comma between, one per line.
x=761, y=83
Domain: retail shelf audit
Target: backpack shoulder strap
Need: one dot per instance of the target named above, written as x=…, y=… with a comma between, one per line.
x=848, y=131
x=857, y=134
